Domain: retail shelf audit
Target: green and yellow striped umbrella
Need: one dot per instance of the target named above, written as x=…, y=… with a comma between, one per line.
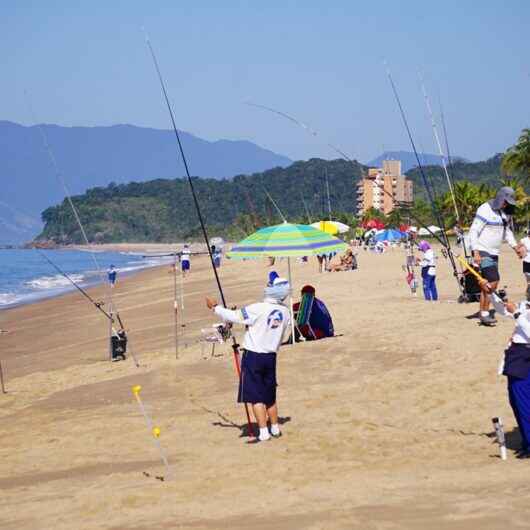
x=287, y=241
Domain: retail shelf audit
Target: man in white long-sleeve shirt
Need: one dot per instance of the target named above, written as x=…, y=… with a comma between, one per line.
x=492, y=226
x=266, y=323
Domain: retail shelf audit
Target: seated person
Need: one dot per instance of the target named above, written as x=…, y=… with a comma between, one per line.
x=346, y=262
x=318, y=324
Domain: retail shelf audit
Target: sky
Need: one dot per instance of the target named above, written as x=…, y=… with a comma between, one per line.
x=86, y=63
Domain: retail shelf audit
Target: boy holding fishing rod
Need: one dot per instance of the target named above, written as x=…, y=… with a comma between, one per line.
x=266, y=322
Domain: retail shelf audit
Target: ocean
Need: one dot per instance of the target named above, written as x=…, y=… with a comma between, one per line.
x=25, y=276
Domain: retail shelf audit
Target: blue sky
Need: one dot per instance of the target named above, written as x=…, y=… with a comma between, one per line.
x=86, y=63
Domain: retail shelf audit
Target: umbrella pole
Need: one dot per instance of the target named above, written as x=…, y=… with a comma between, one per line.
x=291, y=300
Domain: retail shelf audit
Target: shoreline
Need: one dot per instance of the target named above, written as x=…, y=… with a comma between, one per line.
x=96, y=281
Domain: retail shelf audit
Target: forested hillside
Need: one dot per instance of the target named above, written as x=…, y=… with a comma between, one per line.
x=163, y=210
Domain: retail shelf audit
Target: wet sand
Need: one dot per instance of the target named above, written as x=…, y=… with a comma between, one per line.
x=387, y=426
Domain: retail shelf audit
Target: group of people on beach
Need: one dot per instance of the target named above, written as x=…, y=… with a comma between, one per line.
x=266, y=322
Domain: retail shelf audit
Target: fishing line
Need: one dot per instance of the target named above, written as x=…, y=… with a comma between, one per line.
x=311, y=131
x=235, y=346
x=345, y=157
x=62, y=181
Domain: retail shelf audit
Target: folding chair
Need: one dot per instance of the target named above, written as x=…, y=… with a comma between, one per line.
x=303, y=315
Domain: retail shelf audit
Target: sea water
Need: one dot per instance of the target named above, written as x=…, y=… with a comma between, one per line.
x=26, y=276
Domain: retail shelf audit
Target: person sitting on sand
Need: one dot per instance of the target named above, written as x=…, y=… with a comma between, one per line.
x=320, y=324
x=346, y=262
x=266, y=323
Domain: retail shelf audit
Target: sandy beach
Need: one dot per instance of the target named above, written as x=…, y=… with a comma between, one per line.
x=386, y=426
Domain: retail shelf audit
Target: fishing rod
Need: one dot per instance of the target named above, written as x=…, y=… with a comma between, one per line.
x=430, y=195
x=274, y=204
x=173, y=255
x=62, y=181
x=235, y=346
x=439, y=145
x=451, y=173
x=97, y=305
x=306, y=208
x=345, y=157
x=327, y=188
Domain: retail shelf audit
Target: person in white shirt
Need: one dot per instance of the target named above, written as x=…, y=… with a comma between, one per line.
x=185, y=264
x=516, y=367
x=526, y=262
x=492, y=226
x=428, y=271
x=266, y=323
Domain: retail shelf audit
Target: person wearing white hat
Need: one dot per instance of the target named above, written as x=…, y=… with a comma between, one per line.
x=266, y=323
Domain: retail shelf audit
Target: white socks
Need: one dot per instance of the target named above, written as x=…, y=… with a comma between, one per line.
x=484, y=313
x=275, y=429
x=264, y=434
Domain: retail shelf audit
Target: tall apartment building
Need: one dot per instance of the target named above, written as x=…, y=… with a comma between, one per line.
x=397, y=188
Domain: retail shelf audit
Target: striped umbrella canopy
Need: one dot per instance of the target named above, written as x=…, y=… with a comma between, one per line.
x=331, y=227
x=286, y=240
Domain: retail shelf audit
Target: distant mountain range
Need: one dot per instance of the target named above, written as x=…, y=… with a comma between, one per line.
x=96, y=156
x=408, y=159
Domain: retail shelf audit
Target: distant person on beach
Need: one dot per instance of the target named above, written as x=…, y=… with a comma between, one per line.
x=112, y=275
x=216, y=256
x=185, y=257
x=428, y=271
x=266, y=323
x=492, y=225
x=516, y=367
x=319, y=324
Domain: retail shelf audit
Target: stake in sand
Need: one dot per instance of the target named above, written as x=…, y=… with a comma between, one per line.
x=501, y=439
x=155, y=431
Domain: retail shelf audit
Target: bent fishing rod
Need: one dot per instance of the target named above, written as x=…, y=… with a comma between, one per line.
x=97, y=305
x=430, y=194
x=345, y=157
x=235, y=346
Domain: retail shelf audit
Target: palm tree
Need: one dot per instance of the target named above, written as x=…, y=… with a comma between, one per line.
x=467, y=200
x=517, y=158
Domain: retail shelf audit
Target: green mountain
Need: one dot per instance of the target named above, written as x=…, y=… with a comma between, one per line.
x=163, y=210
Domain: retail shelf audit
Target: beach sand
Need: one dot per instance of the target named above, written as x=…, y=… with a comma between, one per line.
x=387, y=426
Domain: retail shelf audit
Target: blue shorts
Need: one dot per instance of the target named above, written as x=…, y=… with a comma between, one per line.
x=185, y=265
x=258, y=378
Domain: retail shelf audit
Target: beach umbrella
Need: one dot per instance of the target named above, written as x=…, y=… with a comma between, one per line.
x=331, y=227
x=429, y=230
x=287, y=240
x=389, y=235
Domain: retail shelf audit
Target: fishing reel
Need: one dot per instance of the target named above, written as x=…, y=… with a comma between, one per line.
x=224, y=330
x=503, y=294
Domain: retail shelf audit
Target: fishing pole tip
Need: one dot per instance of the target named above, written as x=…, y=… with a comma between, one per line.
x=146, y=36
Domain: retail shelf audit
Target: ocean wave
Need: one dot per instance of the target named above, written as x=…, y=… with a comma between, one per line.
x=9, y=298
x=53, y=282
